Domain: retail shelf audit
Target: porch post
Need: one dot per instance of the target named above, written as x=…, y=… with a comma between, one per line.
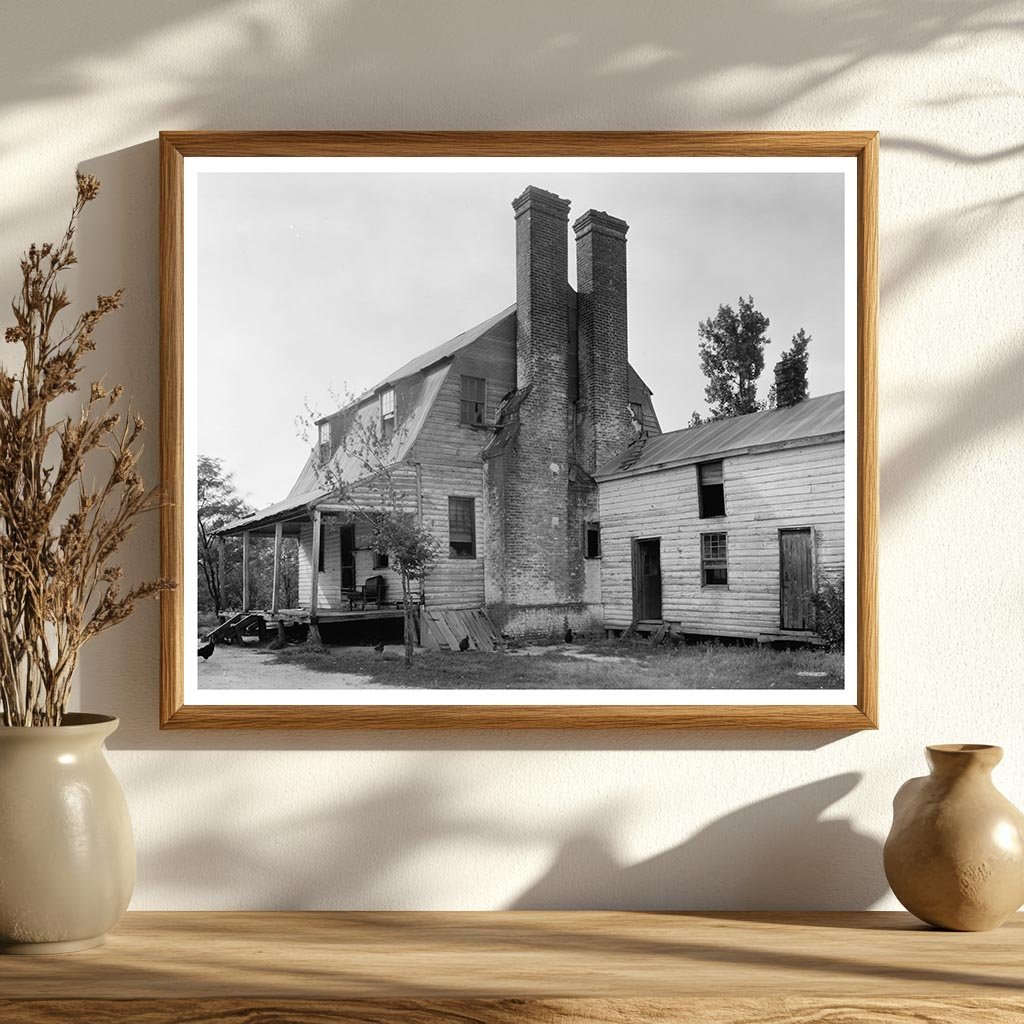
x=221, y=582
x=314, y=627
x=276, y=590
x=245, y=571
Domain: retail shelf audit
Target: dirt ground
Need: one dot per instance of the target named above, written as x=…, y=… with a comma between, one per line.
x=257, y=668
x=588, y=665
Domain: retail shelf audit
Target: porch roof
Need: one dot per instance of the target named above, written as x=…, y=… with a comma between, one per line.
x=295, y=508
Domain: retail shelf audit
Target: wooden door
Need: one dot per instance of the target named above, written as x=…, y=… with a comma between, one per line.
x=647, y=579
x=348, y=557
x=796, y=579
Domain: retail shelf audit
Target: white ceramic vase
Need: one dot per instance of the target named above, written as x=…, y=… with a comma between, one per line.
x=67, y=857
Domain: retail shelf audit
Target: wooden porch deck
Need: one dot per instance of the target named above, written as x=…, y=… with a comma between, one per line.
x=302, y=616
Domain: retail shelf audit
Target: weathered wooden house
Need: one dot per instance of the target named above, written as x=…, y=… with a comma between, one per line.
x=720, y=530
x=495, y=436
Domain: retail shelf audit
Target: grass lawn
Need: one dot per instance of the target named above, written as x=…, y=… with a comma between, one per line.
x=601, y=665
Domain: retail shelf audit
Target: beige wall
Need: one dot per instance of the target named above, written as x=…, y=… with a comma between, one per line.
x=496, y=820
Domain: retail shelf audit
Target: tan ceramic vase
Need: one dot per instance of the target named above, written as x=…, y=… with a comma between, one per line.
x=955, y=854
x=67, y=859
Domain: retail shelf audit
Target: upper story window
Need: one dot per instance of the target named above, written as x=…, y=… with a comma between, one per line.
x=323, y=442
x=710, y=490
x=474, y=401
x=387, y=412
x=593, y=538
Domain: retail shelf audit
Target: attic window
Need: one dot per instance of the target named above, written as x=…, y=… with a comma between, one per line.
x=593, y=540
x=710, y=490
x=323, y=442
x=636, y=410
x=474, y=399
x=387, y=412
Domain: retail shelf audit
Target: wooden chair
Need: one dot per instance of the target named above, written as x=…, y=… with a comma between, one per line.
x=371, y=592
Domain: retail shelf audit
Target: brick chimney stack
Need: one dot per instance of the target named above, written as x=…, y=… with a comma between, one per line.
x=604, y=422
x=536, y=481
x=542, y=283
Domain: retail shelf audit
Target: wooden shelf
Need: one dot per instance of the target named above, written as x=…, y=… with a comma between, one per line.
x=500, y=968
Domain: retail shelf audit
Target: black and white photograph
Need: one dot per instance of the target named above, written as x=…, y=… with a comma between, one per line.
x=539, y=430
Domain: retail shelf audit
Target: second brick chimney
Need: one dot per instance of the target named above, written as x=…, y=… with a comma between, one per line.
x=604, y=423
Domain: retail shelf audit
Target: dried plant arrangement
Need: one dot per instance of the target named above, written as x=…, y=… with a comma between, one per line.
x=59, y=533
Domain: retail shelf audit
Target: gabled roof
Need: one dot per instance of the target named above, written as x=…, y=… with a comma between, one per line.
x=446, y=350
x=308, y=488
x=812, y=418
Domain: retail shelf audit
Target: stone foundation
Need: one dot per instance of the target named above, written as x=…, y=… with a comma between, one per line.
x=543, y=622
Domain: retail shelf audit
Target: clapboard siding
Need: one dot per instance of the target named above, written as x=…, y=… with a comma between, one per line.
x=764, y=492
x=449, y=457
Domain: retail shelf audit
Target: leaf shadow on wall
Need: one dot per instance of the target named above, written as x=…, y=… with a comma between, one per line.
x=534, y=64
x=779, y=853
x=395, y=847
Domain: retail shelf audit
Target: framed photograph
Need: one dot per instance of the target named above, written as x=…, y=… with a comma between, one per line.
x=519, y=429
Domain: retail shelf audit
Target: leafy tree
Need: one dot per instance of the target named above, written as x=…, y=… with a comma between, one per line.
x=732, y=358
x=218, y=504
x=378, y=498
x=791, y=374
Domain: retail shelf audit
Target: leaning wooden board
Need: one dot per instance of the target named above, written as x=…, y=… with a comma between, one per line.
x=500, y=968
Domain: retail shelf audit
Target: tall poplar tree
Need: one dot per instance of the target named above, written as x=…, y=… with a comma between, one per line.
x=732, y=359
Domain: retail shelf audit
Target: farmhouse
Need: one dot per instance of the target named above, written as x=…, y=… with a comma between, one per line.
x=722, y=529
x=495, y=437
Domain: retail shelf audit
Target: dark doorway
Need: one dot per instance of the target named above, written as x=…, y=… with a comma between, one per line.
x=348, y=556
x=796, y=579
x=647, y=579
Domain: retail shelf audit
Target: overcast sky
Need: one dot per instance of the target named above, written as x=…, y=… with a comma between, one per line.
x=310, y=283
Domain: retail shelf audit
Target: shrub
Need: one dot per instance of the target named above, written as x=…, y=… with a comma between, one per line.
x=830, y=608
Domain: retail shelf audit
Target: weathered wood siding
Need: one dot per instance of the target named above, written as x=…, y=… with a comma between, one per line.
x=764, y=492
x=448, y=453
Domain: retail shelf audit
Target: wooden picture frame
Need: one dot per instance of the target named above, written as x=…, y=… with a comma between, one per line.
x=177, y=712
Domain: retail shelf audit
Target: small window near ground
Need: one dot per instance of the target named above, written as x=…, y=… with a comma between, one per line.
x=714, y=568
x=461, y=528
x=323, y=442
x=710, y=490
x=593, y=540
x=474, y=399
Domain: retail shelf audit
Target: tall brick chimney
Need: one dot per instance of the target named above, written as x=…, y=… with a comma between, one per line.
x=542, y=286
x=528, y=487
x=604, y=424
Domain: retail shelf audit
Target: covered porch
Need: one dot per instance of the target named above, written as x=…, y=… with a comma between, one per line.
x=331, y=588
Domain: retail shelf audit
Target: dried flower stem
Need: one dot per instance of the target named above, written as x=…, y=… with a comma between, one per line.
x=58, y=587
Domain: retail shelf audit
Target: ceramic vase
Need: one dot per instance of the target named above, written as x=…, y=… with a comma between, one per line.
x=67, y=857
x=955, y=854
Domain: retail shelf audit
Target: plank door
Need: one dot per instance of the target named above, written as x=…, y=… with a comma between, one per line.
x=647, y=579
x=348, y=557
x=796, y=579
